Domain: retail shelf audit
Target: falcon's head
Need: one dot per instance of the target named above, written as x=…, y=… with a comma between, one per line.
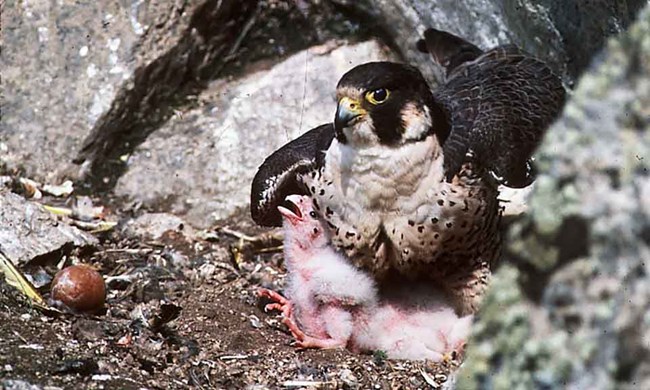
x=386, y=103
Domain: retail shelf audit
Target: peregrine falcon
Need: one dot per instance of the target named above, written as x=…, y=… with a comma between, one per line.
x=405, y=177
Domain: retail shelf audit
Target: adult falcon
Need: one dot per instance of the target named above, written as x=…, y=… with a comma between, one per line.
x=405, y=177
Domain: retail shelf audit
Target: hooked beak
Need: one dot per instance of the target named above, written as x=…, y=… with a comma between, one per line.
x=347, y=112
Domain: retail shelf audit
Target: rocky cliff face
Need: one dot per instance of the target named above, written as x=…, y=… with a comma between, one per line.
x=62, y=65
x=91, y=83
x=564, y=33
x=570, y=307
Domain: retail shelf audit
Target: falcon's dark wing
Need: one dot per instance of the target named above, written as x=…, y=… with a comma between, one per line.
x=277, y=177
x=499, y=106
x=447, y=49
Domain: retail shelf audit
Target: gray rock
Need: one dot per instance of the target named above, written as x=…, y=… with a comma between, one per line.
x=17, y=384
x=188, y=46
x=571, y=309
x=70, y=68
x=61, y=65
x=154, y=225
x=28, y=231
x=564, y=33
x=201, y=163
x=403, y=21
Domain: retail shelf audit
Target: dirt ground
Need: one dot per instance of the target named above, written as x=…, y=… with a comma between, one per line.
x=182, y=312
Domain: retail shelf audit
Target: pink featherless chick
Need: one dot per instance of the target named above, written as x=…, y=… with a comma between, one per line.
x=332, y=304
x=324, y=292
x=414, y=321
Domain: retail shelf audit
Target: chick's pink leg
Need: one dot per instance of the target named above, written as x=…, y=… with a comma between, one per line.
x=302, y=339
x=305, y=341
x=284, y=305
x=279, y=302
x=459, y=333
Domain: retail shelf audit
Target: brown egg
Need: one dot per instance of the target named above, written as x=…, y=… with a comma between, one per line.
x=80, y=288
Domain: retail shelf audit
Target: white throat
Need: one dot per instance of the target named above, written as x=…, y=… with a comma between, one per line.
x=379, y=176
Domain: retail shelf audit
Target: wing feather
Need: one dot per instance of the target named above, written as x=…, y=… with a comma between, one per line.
x=499, y=107
x=448, y=50
x=277, y=177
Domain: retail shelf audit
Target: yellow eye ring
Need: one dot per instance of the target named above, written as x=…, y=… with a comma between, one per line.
x=377, y=96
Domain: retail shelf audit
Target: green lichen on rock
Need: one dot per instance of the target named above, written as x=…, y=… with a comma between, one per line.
x=503, y=353
x=584, y=245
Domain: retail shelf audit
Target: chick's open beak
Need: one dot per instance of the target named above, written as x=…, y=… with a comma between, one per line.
x=291, y=210
x=347, y=111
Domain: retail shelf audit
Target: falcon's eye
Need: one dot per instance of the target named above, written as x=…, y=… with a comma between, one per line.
x=313, y=214
x=377, y=96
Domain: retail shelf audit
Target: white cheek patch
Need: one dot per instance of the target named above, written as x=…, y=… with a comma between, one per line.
x=362, y=133
x=416, y=120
